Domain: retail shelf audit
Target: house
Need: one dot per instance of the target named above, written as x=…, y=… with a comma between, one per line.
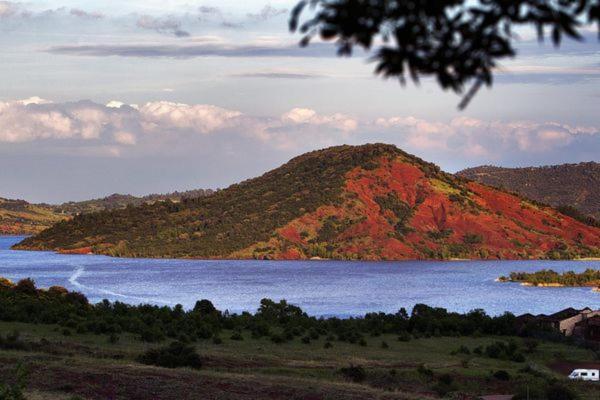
x=588, y=329
x=569, y=322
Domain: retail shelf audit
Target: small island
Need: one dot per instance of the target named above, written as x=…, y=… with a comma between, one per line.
x=549, y=278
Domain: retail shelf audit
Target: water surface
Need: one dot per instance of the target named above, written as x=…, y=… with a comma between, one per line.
x=320, y=287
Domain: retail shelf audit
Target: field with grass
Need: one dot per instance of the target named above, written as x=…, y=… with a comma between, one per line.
x=65, y=365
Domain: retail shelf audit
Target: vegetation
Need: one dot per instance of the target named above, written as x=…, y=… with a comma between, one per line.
x=162, y=352
x=368, y=202
x=17, y=217
x=457, y=42
x=574, y=188
x=590, y=277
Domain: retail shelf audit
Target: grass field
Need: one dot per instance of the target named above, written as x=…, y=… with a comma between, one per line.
x=90, y=367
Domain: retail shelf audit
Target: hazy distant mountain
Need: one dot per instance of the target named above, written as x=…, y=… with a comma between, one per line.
x=365, y=202
x=576, y=185
x=18, y=217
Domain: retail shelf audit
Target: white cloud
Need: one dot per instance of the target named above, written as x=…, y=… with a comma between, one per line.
x=200, y=118
x=311, y=117
x=162, y=126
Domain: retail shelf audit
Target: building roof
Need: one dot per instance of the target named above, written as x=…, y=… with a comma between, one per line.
x=565, y=314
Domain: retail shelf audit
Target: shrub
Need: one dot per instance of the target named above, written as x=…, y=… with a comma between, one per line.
x=355, y=373
x=362, y=342
x=404, y=337
x=275, y=338
x=327, y=345
x=424, y=371
x=558, y=391
x=501, y=375
x=305, y=340
x=113, y=338
x=217, y=340
x=15, y=391
x=237, y=336
x=175, y=355
x=384, y=345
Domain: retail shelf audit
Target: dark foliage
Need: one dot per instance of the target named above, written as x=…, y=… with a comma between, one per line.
x=573, y=188
x=590, y=277
x=175, y=355
x=278, y=321
x=456, y=41
x=355, y=373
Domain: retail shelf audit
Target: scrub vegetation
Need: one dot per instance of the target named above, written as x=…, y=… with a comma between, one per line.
x=370, y=202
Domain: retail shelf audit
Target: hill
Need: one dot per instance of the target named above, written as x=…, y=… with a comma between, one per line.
x=366, y=202
x=18, y=217
x=117, y=201
x=575, y=185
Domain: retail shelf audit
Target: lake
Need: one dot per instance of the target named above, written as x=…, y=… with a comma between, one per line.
x=342, y=288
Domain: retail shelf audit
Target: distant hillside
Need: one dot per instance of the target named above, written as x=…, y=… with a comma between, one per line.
x=116, y=201
x=575, y=185
x=370, y=202
x=18, y=217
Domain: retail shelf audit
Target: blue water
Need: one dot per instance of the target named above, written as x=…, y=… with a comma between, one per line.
x=319, y=287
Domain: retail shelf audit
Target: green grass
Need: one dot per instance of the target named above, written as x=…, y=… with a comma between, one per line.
x=309, y=367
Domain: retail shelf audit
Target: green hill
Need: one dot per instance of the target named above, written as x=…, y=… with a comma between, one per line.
x=365, y=202
x=574, y=185
x=18, y=217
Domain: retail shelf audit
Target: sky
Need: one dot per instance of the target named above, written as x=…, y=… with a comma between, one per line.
x=154, y=96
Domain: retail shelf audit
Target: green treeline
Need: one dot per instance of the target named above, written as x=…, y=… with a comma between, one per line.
x=590, y=277
x=279, y=321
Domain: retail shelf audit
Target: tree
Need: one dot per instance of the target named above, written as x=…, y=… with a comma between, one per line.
x=457, y=41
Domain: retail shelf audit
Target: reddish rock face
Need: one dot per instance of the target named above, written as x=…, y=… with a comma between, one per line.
x=370, y=202
x=395, y=211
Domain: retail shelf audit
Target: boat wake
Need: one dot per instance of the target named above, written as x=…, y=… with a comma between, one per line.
x=80, y=270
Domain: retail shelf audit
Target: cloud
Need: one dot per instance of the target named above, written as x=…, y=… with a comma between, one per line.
x=266, y=13
x=169, y=128
x=198, y=118
x=475, y=137
x=194, y=50
x=165, y=25
x=86, y=14
x=9, y=9
x=278, y=75
x=306, y=116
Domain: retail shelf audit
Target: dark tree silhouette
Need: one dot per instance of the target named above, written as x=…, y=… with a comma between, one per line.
x=456, y=41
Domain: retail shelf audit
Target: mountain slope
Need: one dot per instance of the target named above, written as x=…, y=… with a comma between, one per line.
x=18, y=217
x=365, y=202
x=576, y=185
x=117, y=201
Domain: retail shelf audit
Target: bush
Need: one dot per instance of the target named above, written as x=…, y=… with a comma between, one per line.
x=15, y=390
x=384, y=345
x=113, y=338
x=175, y=355
x=501, y=375
x=355, y=373
x=217, y=340
x=237, y=336
x=404, y=337
x=560, y=392
x=328, y=345
x=305, y=340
